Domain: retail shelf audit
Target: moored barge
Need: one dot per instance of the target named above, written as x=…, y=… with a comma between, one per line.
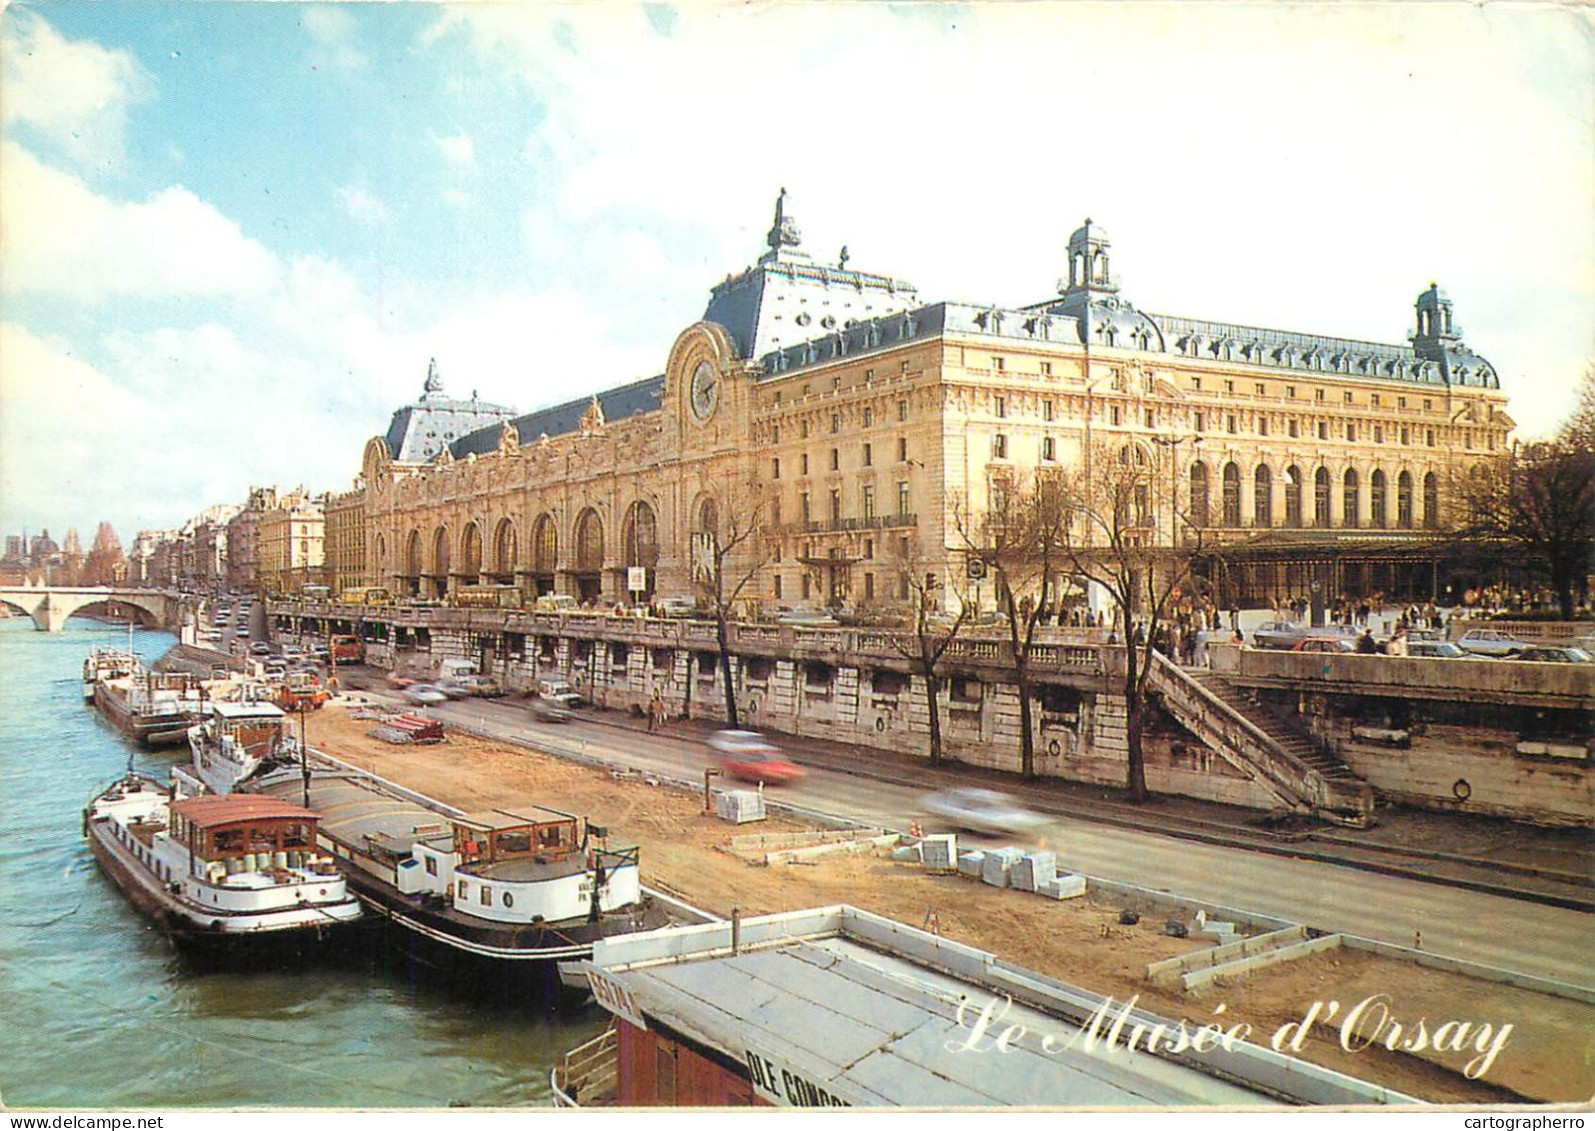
x=153, y=708
x=225, y=877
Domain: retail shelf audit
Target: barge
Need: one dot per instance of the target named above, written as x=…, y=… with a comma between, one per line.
x=227, y=878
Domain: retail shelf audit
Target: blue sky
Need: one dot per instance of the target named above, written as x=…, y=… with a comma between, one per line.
x=236, y=233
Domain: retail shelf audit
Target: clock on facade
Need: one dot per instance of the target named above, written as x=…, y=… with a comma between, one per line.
x=705, y=390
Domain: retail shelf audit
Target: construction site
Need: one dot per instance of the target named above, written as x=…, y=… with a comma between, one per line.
x=1348, y=1004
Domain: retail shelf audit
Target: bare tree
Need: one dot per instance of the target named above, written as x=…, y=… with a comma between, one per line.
x=1112, y=538
x=1539, y=499
x=1022, y=538
x=932, y=629
x=734, y=538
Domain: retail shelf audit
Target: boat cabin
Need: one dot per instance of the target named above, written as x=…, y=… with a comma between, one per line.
x=251, y=831
x=495, y=835
x=254, y=727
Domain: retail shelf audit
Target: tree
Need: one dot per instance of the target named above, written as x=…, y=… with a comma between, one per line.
x=1022, y=539
x=1112, y=538
x=1540, y=499
x=730, y=545
x=105, y=564
x=932, y=630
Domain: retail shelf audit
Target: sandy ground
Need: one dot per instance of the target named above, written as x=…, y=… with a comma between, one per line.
x=1546, y=1057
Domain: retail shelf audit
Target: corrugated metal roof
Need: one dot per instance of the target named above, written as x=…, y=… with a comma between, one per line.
x=876, y=1028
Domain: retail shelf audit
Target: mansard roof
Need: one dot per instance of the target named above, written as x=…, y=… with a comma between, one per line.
x=561, y=419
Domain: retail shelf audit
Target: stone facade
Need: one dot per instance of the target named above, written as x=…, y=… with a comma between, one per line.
x=346, y=540
x=243, y=540
x=292, y=544
x=853, y=419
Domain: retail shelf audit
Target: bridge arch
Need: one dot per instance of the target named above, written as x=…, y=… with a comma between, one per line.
x=50, y=607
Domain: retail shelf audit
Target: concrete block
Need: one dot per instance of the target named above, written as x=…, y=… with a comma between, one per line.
x=971, y=864
x=1212, y=929
x=1033, y=868
x=1066, y=886
x=940, y=852
x=997, y=865
x=908, y=853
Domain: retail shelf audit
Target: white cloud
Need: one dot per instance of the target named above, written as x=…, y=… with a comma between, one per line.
x=362, y=207
x=332, y=30
x=74, y=93
x=457, y=149
x=66, y=239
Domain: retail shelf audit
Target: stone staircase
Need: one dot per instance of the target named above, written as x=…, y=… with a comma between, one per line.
x=1253, y=740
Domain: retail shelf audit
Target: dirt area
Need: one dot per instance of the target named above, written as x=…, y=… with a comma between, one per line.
x=685, y=852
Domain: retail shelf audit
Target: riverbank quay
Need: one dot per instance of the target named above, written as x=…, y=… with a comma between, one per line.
x=688, y=855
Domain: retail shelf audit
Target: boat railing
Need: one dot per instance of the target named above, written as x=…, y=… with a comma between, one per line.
x=587, y=1075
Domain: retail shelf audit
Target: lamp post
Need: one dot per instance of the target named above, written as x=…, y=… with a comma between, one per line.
x=1172, y=445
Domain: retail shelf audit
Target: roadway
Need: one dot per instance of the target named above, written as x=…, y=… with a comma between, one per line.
x=1546, y=941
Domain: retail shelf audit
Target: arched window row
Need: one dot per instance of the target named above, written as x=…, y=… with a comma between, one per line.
x=1417, y=500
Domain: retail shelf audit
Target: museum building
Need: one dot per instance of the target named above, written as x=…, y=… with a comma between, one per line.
x=851, y=422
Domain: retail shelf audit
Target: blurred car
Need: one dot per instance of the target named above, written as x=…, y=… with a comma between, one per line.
x=1490, y=642
x=740, y=742
x=451, y=688
x=1556, y=654
x=746, y=755
x=260, y=648
x=677, y=606
x=1337, y=644
x=424, y=695
x=275, y=669
x=982, y=810
x=1436, y=650
x=547, y=711
x=399, y=682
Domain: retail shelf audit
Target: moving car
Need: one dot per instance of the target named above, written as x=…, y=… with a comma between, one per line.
x=1556, y=654
x=399, y=682
x=452, y=688
x=677, y=606
x=746, y=755
x=1278, y=634
x=424, y=695
x=1490, y=642
x=483, y=685
x=982, y=810
x=548, y=711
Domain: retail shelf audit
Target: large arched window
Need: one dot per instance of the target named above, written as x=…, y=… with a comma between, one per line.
x=412, y=562
x=1293, y=496
x=471, y=553
x=1404, y=500
x=1198, y=494
x=708, y=517
x=1263, y=496
x=589, y=539
x=1431, y=502
x=1232, y=495
x=545, y=545
x=441, y=557
x=1348, y=512
x=1321, y=497
x=639, y=536
x=505, y=550
x=1376, y=501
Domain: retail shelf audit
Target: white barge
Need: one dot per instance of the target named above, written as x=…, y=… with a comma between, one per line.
x=235, y=876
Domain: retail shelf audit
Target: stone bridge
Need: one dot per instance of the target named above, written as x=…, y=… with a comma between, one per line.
x=50, y=606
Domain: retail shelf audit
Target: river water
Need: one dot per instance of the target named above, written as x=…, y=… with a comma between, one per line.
x=99, y=1012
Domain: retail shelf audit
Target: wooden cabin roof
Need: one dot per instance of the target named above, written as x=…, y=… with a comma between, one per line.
x=211, y=810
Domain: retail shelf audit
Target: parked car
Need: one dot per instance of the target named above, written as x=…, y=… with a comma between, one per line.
x=746, y=755
x=1279, y=634
x=1337, y=644
x=558, y=691
x=424, y=695
x=982, y=810
x=1436, y=650
x=547, y=711
x=260, y=648
x=1556, y=654
x=1490, y=642
x=481, y=685
x=452, y=688
x=677, y=606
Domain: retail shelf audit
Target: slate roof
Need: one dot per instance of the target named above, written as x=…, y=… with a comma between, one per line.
x=561, y=419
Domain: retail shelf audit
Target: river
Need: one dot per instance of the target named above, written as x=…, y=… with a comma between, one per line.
x=100, y=1012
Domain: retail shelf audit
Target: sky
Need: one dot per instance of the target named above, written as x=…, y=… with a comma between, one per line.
x=235, y=234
